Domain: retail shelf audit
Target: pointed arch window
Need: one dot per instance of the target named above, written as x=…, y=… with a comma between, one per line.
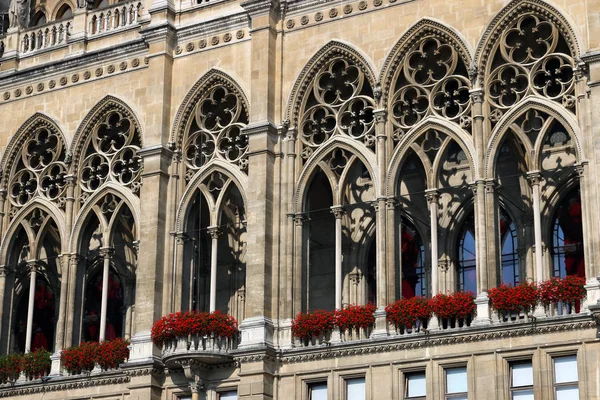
x=567, y=237
x=467, y=276
x=510, y=255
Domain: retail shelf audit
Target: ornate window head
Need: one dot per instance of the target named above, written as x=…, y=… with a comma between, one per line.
x=38, y=168
x=112, y=154
x=432, y=81
x=340, y=101
x=531, y=58
x=215, y=131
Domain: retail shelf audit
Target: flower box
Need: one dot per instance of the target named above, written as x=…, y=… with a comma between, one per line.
x=512, y=303
x=182, y=326
x=355, y=321
x=313, y=326
x=84, y=357
x=33, y=365
x=455, y=310
x=563, y=294
x=409, y=315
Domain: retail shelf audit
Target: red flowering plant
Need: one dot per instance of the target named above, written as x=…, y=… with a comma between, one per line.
x=112, y=353
x=569, y=290
x=183, y=324
x=355, y=317
x=509, y=299
x=312, y=324
x=459, y=305
x=406, y=312
x=37, y=364
x=82, y=358
x=10, y=367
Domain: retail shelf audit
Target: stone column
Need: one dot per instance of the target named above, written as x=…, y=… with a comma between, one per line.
x=214, y=232
x=107, y=253
x=71, y=290
x=2, y=203
x=338, y=212
x=492, y=241
x=380, y=209
x=481, y=269
x=433, y=196
x=393, y=249
x=535, y=180
x=299, y=221
x=177, y=279
x=32, y=280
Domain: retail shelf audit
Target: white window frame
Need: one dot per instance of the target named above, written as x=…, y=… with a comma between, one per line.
x=564, y=384
x=350, y=378
x=407, y=374
x=516, y=389
x=450, y=396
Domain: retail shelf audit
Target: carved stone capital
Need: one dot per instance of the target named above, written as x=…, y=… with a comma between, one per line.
x=338, y=211
x=3, y=271
x=476, y=95
x=491, y=186
x=33, y=265
x=107, y=252
x=180, y=237
x=391, y=203
x=534, y=178
x=299, y=219
x=580, y=169
x=380, y=115
x=432, y=196
x=214, y=232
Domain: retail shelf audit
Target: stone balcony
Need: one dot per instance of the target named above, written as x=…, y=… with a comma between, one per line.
x=200, y=349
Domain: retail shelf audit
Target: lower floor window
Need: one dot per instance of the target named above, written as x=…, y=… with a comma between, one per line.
x=521, y=380
x=566, y=386
x=317, y=391
x=415, y=386
x=456, y=383
x=355, y=389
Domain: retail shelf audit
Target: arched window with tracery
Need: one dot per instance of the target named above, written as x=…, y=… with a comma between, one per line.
x=214, y=248
x=567, y=237
x=339, y=102
x=467, y=252
x=33, y=283
x=108, y=246
x=64, y=12
x=532, y=55
x=214, y=130
x=509, y=251
x=339, y=219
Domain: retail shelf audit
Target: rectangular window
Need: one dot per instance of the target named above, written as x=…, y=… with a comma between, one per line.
x=317, y=391
x=415, y=385
x=355, y=389
x=230, y=395
x=521, y=380
x=456, y=383
x=566, y=385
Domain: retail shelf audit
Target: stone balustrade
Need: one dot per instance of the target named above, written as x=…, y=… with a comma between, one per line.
x=204, y=349
x=45, y=36
x=119, y=16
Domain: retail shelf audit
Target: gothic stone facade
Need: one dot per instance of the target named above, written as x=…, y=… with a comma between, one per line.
x=265, y=158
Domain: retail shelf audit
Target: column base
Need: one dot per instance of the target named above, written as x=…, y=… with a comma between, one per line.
x=539, y=311
x=433, y=324
x=381, y=325
x=256, y=332
x=285, y=340
x=483, y=310
x=592, y=288
x=55, y=369
x=142, y=349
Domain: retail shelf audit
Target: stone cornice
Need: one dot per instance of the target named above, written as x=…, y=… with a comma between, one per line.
x=84, y=60
x=216, y=25
x=64, y=383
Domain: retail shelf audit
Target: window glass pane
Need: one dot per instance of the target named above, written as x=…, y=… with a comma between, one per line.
x=456, y=380
x=522, y=374
x=458, y=398
x=318, y=391
x=523, y=395
x=232, y=395
x=355, y=388
x=416, y=385
x=565, y=369
x=567, y=393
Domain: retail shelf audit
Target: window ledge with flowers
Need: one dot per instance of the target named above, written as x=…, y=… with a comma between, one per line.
x=205, y=337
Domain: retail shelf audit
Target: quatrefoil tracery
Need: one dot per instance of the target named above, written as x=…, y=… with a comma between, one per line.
x=39, y=170
x=219, y=118
x=340, y=102
x=113, y=154
x=532, y=58
x=430, y=83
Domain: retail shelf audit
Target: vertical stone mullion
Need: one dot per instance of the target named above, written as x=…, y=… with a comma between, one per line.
x=392, y=249
x=492, y=243
x=288, y=241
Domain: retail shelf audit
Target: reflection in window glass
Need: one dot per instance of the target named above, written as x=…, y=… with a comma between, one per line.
x=521, y=376
x=355, y=389
x=317, y=391
x=456, y=383
x=416, y=386
x=466, y=257
x=510, y=255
